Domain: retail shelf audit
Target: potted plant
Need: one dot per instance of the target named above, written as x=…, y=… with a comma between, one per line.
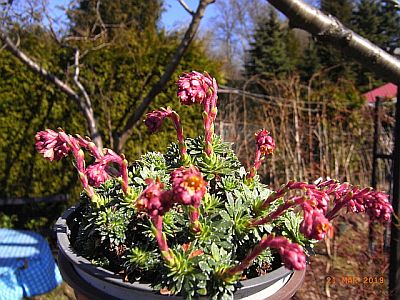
x=192, y=222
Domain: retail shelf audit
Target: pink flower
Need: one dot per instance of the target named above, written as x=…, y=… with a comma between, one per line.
x=154, y=199
x=318, y=199
x=52, y=145
x=155, y=119
x=188, y=185
x=96, y=173
x=265, y=146
x=194, y=87
x=314, y=225
x=375, y=204
x=293, y=256
x=265, y=142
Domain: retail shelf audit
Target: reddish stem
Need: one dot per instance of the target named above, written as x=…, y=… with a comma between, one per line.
x=279, y=211
x=80, y=165
x=157, y=224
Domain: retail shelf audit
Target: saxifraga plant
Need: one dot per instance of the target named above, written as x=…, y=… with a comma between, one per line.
x=192, y=221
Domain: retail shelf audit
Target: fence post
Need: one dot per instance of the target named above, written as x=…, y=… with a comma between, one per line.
x=371, y=227
x=394, y=273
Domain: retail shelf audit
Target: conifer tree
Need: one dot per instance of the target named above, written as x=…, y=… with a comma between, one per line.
x=268, y=51
x=91, y=15
x=379, y=22
x=390, y=25
x=328, y=56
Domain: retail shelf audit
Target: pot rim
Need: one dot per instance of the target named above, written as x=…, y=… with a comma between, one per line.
x=63, y=232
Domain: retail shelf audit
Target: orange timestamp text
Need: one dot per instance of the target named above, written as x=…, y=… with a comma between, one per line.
x=355, y=280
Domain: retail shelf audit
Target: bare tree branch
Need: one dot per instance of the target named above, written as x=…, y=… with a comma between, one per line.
x=99, y=18
x=186, y=7
x=64, y=87
x=135, y=117
x=78, y=83
x=329, y=29
x=50, y=20
x=395, y=2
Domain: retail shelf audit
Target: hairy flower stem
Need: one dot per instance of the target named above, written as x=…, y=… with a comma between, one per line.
x=154, y=121
x=209, y=115
x=80, y=166
x=181, y=138
x=156, y=226
x=120, y=160
x=124, y=173
x=260, y=247
x=291, y=185
x=89, y=145
x=194, y=219
x=338, y=206
x=278, y=212
x=257, y=164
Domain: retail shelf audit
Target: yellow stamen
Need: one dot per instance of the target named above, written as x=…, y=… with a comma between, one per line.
x=192, y=184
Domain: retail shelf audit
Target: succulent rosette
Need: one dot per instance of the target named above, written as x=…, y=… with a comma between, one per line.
x=191, y=220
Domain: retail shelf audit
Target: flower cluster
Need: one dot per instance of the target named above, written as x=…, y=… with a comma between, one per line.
x=154, y=200
x=265, y=146
x=182, y=218
x=55, y=145
x=188, y=185
x=264, y=142
x=374, y=203
x=154, y=121
x=52, y=145
x=194, y=87
x=315, y=225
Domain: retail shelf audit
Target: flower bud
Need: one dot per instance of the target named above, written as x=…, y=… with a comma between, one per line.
x=314, y=225
x=265, y=142
x=193, y=88
x=97, y=174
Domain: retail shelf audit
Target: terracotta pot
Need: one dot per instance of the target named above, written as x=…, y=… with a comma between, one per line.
x=91, y=282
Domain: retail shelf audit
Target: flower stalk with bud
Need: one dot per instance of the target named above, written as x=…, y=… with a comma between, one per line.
x=195, y=87
x=154, y=121
x=183, y=217
x=265, y=146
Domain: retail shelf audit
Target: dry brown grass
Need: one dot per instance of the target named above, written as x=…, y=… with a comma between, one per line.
x=351, y=272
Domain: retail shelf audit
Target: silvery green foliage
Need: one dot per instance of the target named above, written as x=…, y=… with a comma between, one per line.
x=116, y=236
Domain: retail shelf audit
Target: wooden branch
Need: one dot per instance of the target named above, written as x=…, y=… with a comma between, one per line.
x=64, y=87
x=186, y=7
x=78, y=83
x=137, y=114
x=329, y=29
x=395, y=2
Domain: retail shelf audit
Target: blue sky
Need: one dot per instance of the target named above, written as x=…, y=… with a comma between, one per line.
x=173, y=17
x=176, y=16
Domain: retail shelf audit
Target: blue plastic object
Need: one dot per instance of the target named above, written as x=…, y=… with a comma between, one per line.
x=27, y=266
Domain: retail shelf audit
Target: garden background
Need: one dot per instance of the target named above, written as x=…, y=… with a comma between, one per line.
x=116, y=54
